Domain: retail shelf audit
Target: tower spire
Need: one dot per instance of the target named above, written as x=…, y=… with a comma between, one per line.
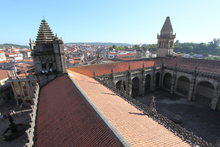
x=48, y=55
x=166, y=39
x=167, y=28
x=44, y=34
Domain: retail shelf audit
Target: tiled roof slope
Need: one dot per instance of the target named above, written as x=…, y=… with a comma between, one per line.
x=203, y=65
x=66, y=119
x=210, y=66
x=3, y=74
x=137, y=129
x=101, y=69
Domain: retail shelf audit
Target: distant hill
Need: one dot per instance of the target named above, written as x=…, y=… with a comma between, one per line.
x=100, y=43
x=9, y=45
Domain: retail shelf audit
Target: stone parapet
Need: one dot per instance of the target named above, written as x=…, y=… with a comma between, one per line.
x=33, y=116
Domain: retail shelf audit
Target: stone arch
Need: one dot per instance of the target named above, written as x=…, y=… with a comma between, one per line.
x=118, y=85
x=135, y=87
x=147, y=83
x=167, y=81
x=183, y=84
x=157, y=79
x=204, y=92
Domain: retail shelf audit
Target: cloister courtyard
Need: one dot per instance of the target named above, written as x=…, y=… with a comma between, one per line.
x=195, y=116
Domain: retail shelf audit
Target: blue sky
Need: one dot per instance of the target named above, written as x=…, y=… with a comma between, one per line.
x=126, y=21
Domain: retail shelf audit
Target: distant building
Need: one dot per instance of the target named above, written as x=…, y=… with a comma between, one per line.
x=24, y=87
x=5, y=89
x=3, y=77
x=26, y=53
x=2, y=56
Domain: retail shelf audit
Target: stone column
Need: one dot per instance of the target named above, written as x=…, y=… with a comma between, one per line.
x=153, y=80
x=113, y=78
x=142, y=84
x=161, y=76
x=191, y=90
x=173, y=83
x=215, y=97
x=129, y=86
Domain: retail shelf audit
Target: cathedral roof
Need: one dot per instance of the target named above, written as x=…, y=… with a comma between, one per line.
x=3, y=74
x=44, y=34
x=203, y=65
x=65, y=118
x=134, y=127
x=102, y=69
x=167, y=27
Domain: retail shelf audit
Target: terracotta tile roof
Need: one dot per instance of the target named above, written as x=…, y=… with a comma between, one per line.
x=4, y=61
x=102, y=69
x=126, y=59
x=211, y=66
x=26, y=50
x=66, y=119
x=135, y=127
x=126, y=55
x=3, y=74
x=28, y=60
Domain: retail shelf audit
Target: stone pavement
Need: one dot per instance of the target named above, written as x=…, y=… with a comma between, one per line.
x=136, y=128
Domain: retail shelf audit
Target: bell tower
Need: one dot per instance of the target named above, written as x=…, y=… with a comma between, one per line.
x=166, y=38
x=48, y=54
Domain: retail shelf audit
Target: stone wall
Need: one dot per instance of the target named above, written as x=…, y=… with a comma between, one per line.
x=5, y=93
x=191, y=85
x=33, y=115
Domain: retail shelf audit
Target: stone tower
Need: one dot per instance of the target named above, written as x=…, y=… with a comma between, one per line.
x=166, y=38
x=48, y=55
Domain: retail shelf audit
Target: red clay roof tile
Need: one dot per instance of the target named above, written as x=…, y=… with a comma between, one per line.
x=66, y=119
x=3, y=74
x=203, y=65
x=101, y=69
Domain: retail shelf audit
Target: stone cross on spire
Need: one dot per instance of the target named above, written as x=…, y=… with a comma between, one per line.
x=44, y=34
